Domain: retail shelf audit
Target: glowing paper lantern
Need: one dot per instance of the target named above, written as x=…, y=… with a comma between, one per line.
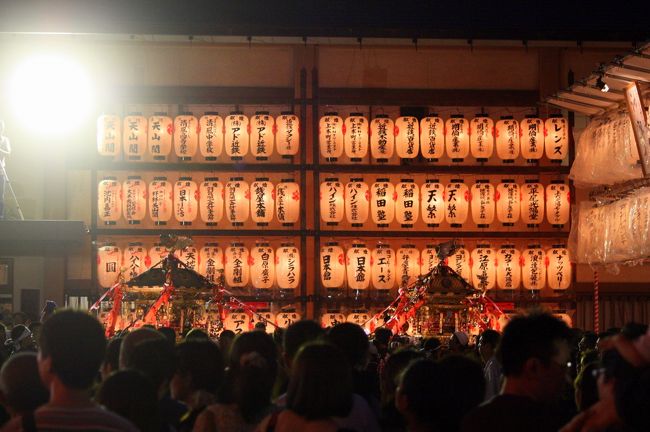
x=556, y=141
x=433, y=202
x=236, y=265
x=285, y=319
x=287, y=267
x=533, y=268
x=156, y=254
x=432, y=137
x=459, y=262
x=185, y=200
x=330, y=136
x=407, y=204
x=456, y=203
x=211, y=135
x=407, y=137
x=109, y=135
x=134, y=199
x=382, y=138
x=211, y=195
x=559, y=268
x=532, y=138
x=407, y=265
x=287, y=202
x=134, y=136
x=236, y=135
x=159, y=136
x=429, y=259
x=263, y=201
x=109, y=264
x=262, y=266
x=358, y=318
x=532, y=202
x=382, y=202
x=109, y=200
x=332, y=265
x=358, y=266
x=457, y=137
x=481, y=137
x=332, y=203
x=507, y=199
x=331, y=319
x=211, y=262
x=383, y=267
x=262, y=138
x=357, y=205
x=355, y=137
x=237, y=201
x=482, y=203
x=237, y=322
x=508, y=267
x=287, y=136
x=483, y=267
x=188, y=256
x=186, y=136
x=558, y=202
x=265, y=317
x=135, y=257
x=161, y=200
x=507, y=139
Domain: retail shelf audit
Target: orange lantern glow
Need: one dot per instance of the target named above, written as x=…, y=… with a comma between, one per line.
x=287, y=267
x=237, y=322
x=332, y=202
x=161, y=200
x=109, y=200
x=211, y=262
x=330, y=136
x=407, y=204
x=457, y=137
x=237, y=201
x=432, y=137
x=262, y=137
x=134, y=199
x=185, y=200
x=566, y=318
x=507, y=199
x=287, y=202
x=559, y=267
x=507, y=139
x=556, y=140
x=433, y=202
x=534, y=268
x=456, y=203
x=211, y=195
x=134, y=136
x=109, y=265
x=236, y=265
x=355, y=137
x=262, y=266
x=188, y=256
x=358, y=266
x=407, y=265
x=211, y=135
x=429, y=259
x=186, y=136
x=382, y=138
x=482, y=203
x=359, y=318
x=483, y=267
x=236, y=135
x=383, y=267
x=267, y=318
x=156, y=254
x=558, y=203
x=135, y=257
x=109, y=135
x=263, y=201
x=532, y=203
x=159, y=136
x=332, y=266
x=382, y=202
x=481, y=137
x=329, y=320
x=532, y=138
x=407, y=137
x=459, y=262
x=285, y=319
x=287, y=136
x=508, y=267
x=357, y=202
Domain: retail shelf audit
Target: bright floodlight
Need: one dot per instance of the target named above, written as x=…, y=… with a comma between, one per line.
x=50, y=95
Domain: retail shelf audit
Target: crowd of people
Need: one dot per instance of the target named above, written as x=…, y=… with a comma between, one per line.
x=538, y=375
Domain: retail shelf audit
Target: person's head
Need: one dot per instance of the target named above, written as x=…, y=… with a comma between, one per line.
x=155, y=358
x=225, y=342
x=320, y=385
x=458, y=342
x=71, y=349
x=463, y=387
x=196, y=334
x=432, y=348
x=352, y=340
x=586, y=388
x=634, y=330
x=112, y=358
x=260, y=326
x=131, y=340
x=395, y=365
x=588, y=341
x=296, y=335
x=21, y=339
x=199, y=367
x=487, y=344
x=417, y=398
x=382, y=339
x=21, y=389
x=169, y=333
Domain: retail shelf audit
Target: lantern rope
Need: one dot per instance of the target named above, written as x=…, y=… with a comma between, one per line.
x=596, y=303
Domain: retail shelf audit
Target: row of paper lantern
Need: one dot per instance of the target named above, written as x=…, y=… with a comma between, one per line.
x=210, y=136
x=240, y=322
x=383, y=268
x=186, y=200
x=433, y=137
x=382, y=202
x=262, y=266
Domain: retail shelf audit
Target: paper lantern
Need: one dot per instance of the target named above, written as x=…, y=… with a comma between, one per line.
x=432, y=137
x=559, y=268
x=533, y=268
x=407, y=204
x=262, y=201
x=236, y=265
x=287, y=136
x=407, y=265
x=287, y=202
x=266, y=318
x=483, y=260
x=211, y=262
x=134, y=136
x=329, y=320
x=109, y=200
x=109, y=135
x=211, y=135
x=355, y=137
x=457, y=137
x=532, y=202
x=211, y=194
x=382, y=202
x=481, y=137
x=508, y=267
x=383, y=267
x=358, y=318
x=506, y=133
x=287, y=267
x=237, y=322
x=185, y=200
x=332, y=266
x=459, y=262
x=358, y=266
x=236, y=135
x=285, y=319
x=262, y=266
x=566, y=318
x=188, y=256
x=161, y=200
x=558, y=203
x=407, y=137
x=135, y=257
x=159, y=136
x=456, y=203
x=508, y=204
x=433, y=202
x=382, y=138
x=186, y=136
x=330, y=136
x=237, y=201
x=332, y=203
x=429, y=259
x=532, y=138
x=262, y=138
x=156, y=254
x=357, y=202
x=134, y=202
x=109, y=265
x=556, y=140
x=482, y=203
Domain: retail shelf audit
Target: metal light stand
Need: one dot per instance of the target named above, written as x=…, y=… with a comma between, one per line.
x=11, y=189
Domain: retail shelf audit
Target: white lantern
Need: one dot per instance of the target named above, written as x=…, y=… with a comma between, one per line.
x=156, y=254
x=287, y=136
x=188, y=256
x=161, y=200
x=429, y=259
x=556, y=139
x=185, y=200
x=382, y=138
x=135, y=257
x=109, y=135
x=481, y=137
x=508, y=267
x=355, y=137
x=330, y=136
x=134, y=136
x=134, y=199
x=433, y=202
x=357, y=202
x=383, y=267
x=457, y=137
x=407, y=203
x=266, y=318
x=237, y=201
x=558, y=203
x=287, y=202
x=211, y=135
x=236, y=135
x=532, y=202
x=507, y=139
x=262, y=127
x=285, y=319
x=211, y=194
x=211, y=262
x=359, y=318
x=262, y=266
x=432, y=137
x=263, y=201
x=237, y=322
x=159, y=136
x=109, y=265
x=459, y=262
x=382, y=202
x=332, y=202
x=507, y=199
x=483, y=267
x=109, y=200
x=236, y=265
x=482, y=203
x=456, y=203
x=287, y=267
x=532, y=138
x=358, y=266
x=407, y=265
x=186, y=136
x=332, y=266
x=534, y=268
x=407, y=137
x=559, y=267
x=329, y=320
